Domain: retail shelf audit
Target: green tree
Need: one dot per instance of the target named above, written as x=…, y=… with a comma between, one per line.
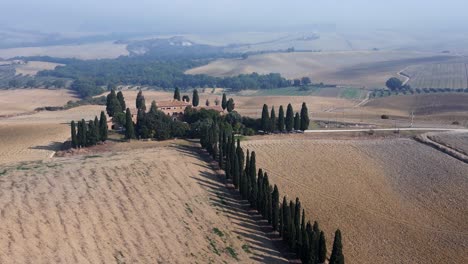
x=289, y=118
x=224, y=102
x=337, y=256
x=281, y=119
x=74, y=140
x=265, y=122
x=112, y=104
x=186, y=98
x=195, y=98
x=153, y=107
x=121, y=99
x=140, y=101
x=96, y=129
x=304, y=117
x=207, y=103
x=91, y=134
x=394, y=84
x=83, y=132
x=273, y=120
x=297, y=122
x=129, y=126
x=275, y=208
x=103, y=127
x=305, y=80
x=322, y=251
x=230, y=105
x=177, y=94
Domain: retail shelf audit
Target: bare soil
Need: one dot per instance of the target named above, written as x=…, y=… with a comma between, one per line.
x=162, y=205
x=395, y=200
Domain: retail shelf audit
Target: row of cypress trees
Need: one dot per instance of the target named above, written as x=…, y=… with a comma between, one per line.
x=287, y=218
x=84, y=134
x=288, y=123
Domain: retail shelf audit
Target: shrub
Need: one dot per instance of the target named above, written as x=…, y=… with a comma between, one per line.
x=384, y=117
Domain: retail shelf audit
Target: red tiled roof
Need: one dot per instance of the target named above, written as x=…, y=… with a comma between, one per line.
x=173, y=103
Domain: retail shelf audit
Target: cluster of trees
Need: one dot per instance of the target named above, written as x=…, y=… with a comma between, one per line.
x=91, y=76
x=288, y=123
x=85, y=134
x=395, y=84
x=304, y=81
x=287, y=218
x=386, y=92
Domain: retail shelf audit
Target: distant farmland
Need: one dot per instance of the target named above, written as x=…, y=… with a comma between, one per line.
x=440, y=75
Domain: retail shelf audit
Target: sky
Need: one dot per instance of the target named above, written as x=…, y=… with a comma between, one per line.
x=226, y=15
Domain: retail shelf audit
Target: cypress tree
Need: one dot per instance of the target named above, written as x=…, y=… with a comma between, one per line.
x=291, y=225
x=253, y=180
x=227, y=170
x=297, y=218
x=336, y=256
x=195, y=98
x=177, y=94
x=300, y=247
x=292, y=238
x=224, y=102
x=96, y=129
x=113, y=105
x=297, y=122
x=322, y=250
x=140, y=101
x=129, y=126
x=304, y=117
x=74, y=140
x=259, y=197
x=230, y=105
x=265, y=122
x=281, y=119
x=289, y=118
x=285, y=223
x=79, y=144
x=91, y=134
x=121, y=99
x=305, y=252
x=272, y=120
x=103, y=127
x=153, y=108
x=275, y=208
x=313, y=246
x=84, y=131
x=236, y=174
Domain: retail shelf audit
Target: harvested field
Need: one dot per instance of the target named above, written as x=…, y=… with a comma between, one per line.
x=358, y=68
x=164, y=205
x=26, y=100
x=38, y=136
x=424, y=104
x=443, y=75
x=457, y=141
x=99, y=50
x=32, y=67
x=390, y=206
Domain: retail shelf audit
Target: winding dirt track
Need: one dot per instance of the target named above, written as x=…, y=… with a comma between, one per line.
x=157, y=205
x=395, y=200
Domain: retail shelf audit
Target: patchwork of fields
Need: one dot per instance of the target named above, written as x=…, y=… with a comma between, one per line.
x=443, y=75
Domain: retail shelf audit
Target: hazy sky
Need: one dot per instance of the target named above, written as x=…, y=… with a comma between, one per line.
x=216, y=15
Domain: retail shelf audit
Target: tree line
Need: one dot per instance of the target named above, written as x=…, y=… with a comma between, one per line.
x=285, y=217
x=85, y=134
x=270, y=123
x=92, y=76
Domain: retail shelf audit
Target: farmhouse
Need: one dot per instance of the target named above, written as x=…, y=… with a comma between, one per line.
x=173, y=107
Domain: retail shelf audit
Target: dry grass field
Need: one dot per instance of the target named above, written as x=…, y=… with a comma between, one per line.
x=423, y=104
x=443, y=75
x=390, y=206
x=359, y=68
x=32, y=67
x=164, y=205
x=26, y=100
x=99, y=50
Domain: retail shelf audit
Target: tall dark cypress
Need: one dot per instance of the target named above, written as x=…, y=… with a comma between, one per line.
x=113, y=105
x=140, y=101
x=79, y=144
x=281, y=119
x=291, y=225
x=121, y=99
x=103, y=127
x=253, y=180
x=337, y=256
x=297, y=218
x=272, y=119
x=96, y=128
x=322, y=250
x=289, y=118
x=129, y=126
x=304, y=117
x=313, y=246
x=195, y=98
x=224, y=102
x=285, y=223
x=259, y=197
x=84, y=131
x=74, y=140
x=177, y=94
x=297, y=122
x=236, y=174
x=91, y=134
x=265, y=121
x=275, y=208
